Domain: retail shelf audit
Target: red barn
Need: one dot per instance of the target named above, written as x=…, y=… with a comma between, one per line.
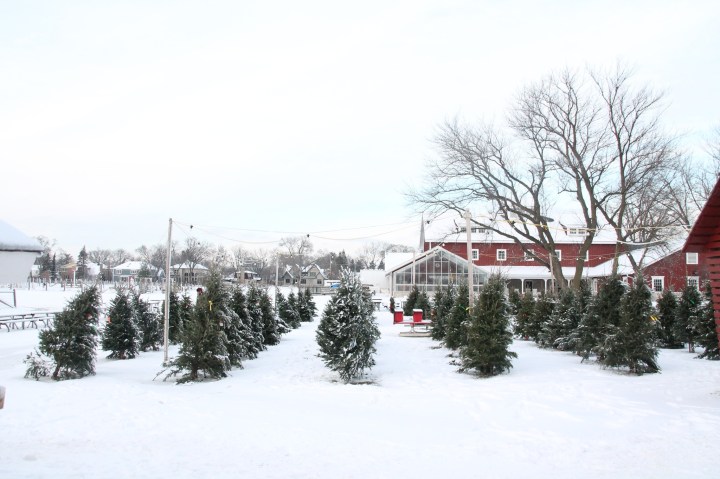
x=704, y=240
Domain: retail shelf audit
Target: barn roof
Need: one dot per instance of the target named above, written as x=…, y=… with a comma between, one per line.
x=707, y=224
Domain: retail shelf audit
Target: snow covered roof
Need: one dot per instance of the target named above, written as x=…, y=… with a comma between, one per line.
x=395, y=259
x=134, y=265
x=187, y=266
x=565, y=228
x=12, y=239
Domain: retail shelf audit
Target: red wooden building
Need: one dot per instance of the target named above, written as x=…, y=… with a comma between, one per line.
x=704, y=239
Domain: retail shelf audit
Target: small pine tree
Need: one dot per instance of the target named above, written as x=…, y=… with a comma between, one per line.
x=603, y=314
x=271, y=329
x=293, y=311
x=423, y=303
x=255, y=314
x=688, y=309
x=514, y=301
x=632, y=342
x=71, y=340
x=561, y=322
x=347, y=331
x=455, y=333
x=544, y=306
x=410, y=301
x=121, y=335
x=310, y=305
x=488, y=333
x=204, y=346
x=705, y=327
x=151, y=335
x=581, y=299
x=176, y=318
x=250, y=343
x=524, y=315
x=666, y=311
x=283, y=309
x=392, y=305
x=443, y=300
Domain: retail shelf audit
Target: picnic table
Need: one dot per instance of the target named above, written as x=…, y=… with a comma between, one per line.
x=413, y=321
x=13, y=320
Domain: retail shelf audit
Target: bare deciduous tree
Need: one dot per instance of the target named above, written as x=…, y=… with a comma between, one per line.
x=195, y=253
x=597, y=144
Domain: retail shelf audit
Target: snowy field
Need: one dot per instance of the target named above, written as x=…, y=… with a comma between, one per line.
x=285, y=416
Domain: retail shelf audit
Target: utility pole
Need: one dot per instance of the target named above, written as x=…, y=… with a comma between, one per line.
x=166, y=329
x=468, y=231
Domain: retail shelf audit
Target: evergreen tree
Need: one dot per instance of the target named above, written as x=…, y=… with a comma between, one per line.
x=179, y=311
x=151, y=334
x=444, y=298
x=632, y=341
x=271, y=329
x=410, y=301
x=204, y=345
x=255, y=314
x=218, y=299
x=347, y=331
x=488, y=332
x=283, y=309
x=71, y=340
x=293, y=311
x=544, y=306
x=310, y=306
x=121, y=335
x=423, y=303
x=603, y=314
x=514, y=301
x=249, y=340
x=455, y=332
x=82, y=264
x=392, y=305
x=581, y=300
x=524, y=315
x=666, y=310
x=562, y=320
x=305, y=306
x=707, y=335
x=688, y=309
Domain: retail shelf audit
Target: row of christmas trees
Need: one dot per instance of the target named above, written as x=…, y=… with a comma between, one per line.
x=216, y=333
x=619, y=327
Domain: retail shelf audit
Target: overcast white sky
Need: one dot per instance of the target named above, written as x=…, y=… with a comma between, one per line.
x=291, y=117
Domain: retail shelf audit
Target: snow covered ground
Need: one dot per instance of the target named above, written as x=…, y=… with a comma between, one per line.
x=285, y=416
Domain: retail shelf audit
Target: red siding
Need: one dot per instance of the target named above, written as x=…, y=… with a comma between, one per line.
x=704, y=238
x=599, y=253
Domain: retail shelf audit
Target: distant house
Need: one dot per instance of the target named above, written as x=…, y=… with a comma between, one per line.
x=17, y=254
x=287, y=278
x=130, y=271
x=185, y=274
x=312, y=277
x=704, y=241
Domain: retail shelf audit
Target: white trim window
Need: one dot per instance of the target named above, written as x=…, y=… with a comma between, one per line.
x=558, y=254
x=693, y=281
x=501, y=255
x=576, y=231
x=691, y=258
x=587, y=256
x=529, y=255
x=475, y=254
x=658, y=283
